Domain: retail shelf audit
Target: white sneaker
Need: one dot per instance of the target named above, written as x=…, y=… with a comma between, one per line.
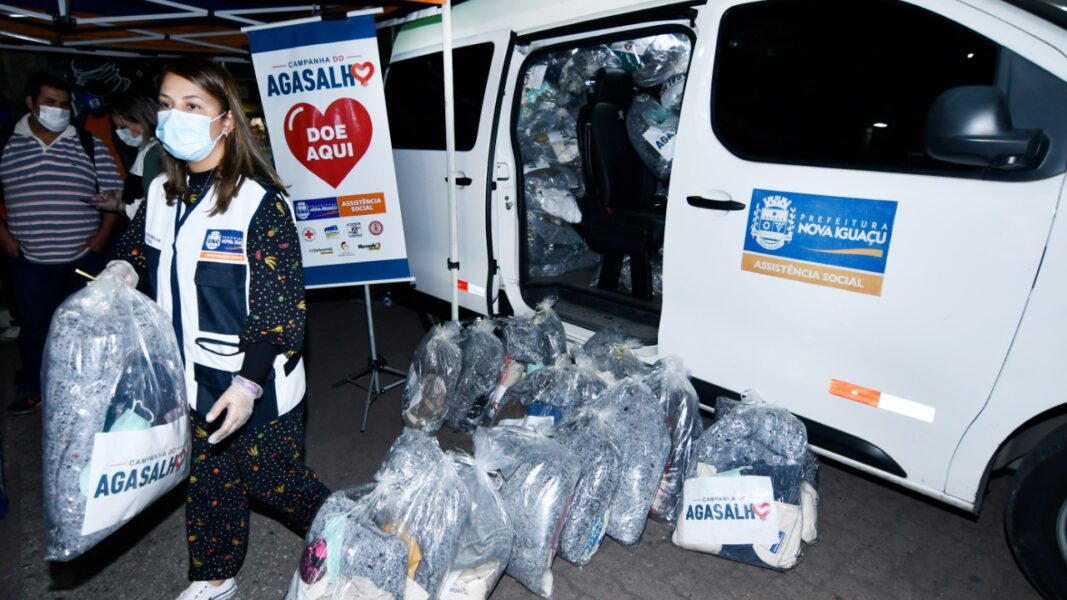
x=203, y=590
x=10, y=333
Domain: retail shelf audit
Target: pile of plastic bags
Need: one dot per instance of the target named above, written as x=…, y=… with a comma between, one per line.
x=116, y=433
x=607, y=442
x=556, y=86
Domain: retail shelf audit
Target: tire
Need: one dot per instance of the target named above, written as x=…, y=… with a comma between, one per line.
x=1036, y=516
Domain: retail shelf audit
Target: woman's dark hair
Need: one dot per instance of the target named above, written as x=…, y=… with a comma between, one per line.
x=241, y=160
x=139, y=108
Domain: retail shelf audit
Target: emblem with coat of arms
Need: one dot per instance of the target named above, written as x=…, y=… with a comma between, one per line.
x=773, y=222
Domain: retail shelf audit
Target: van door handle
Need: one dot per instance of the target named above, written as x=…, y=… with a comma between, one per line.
x=708, y=203
x=462, y=180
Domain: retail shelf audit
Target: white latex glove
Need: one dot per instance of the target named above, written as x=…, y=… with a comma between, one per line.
x=121, y=270
x=106, y=200
x=237, y=401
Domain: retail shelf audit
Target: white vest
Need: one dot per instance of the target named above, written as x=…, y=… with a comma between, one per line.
x=207, y=287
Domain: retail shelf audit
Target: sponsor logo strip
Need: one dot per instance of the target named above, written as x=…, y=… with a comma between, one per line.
x=853, y=281
x=317, y=208
x=882, y=400
x=362, y=204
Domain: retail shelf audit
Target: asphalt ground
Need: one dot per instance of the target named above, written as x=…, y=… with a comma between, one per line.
x=876, y=541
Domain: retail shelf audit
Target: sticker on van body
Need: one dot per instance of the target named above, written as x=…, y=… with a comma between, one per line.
x=831, y=241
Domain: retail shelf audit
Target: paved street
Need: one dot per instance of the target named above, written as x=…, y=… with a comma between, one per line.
x=875, y=541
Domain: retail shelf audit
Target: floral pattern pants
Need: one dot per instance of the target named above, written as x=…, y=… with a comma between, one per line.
x=261, y=463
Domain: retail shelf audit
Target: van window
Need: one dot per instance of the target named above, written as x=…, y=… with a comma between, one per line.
x=415, y=95
x=840, y=83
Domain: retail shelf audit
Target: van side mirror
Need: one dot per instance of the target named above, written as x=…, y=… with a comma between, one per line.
x=971, y=125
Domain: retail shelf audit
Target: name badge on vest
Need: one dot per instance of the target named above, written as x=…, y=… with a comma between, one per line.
x=223, y=245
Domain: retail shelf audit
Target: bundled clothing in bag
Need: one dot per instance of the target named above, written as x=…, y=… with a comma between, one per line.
x=557, y=390
x=432, y=377
x=483, y=364
x=116, y=427
x=652, y=128
x=678, y=401
x=644, y=445
x=610, y=353
x=486, y=539
x=537, y=481
x=758, y=452
x=419, y=501
x=590, y=439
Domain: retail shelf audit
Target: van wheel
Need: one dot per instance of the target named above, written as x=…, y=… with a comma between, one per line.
x=1036, y=516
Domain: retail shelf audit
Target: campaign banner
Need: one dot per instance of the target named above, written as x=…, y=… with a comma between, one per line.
x=324, y=103
x=831, y=241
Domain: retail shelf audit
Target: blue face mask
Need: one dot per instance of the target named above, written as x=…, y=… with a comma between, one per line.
x=186, y=136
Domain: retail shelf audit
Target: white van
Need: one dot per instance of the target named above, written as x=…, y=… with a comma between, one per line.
x=859, y=220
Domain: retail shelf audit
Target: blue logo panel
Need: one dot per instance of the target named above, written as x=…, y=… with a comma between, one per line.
x=318, y=208
x=851, y=233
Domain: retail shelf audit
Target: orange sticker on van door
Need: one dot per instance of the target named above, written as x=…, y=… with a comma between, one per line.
x=856, y=393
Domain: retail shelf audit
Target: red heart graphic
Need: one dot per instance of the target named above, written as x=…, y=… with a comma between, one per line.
x=362, y=71
x=762, y=510
x=330, y=144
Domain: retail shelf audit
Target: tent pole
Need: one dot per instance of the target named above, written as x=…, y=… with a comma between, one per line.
x=450, y=155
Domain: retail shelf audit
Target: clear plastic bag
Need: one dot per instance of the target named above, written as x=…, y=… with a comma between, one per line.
x=410, y=452
x=671, y=92
x=432, y=377
x=485, y=542
x=554, y=247
x=522, y=341
x=554, y=201
x=655, y=264
x=538, y=477
x=653, y=60
x=753, y=437
x=680, y=405
x=641, y=437
x=553, y=337
x=611, y=354
x=590, y=439
x=483, y=362
x=563, y=387
x=579, y=72
x=347, y=555
x=114, y=396
x=652, y=129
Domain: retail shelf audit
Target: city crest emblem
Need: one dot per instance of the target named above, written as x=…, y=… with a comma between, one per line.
x=773, y=222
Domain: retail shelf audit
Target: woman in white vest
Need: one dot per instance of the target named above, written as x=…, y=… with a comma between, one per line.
x=218, y=243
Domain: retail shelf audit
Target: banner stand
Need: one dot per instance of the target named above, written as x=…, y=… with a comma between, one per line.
x=376, y=367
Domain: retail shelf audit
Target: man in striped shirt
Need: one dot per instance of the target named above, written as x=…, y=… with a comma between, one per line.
x=47, y=178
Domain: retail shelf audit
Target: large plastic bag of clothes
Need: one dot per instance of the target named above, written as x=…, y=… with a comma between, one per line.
x=348, y=556
x=680, y=406
x=652, y=130
x=553, y=337
x=655, y=264
x=554, y=247
x=485, y=541
x=655, y=59
x=579, y=71
x=483, y=363
x=116, y=433
x=643, y=442
x=610, y=353
x=555, y=201
x=556, y=390
x=537, y=480
x=427, y=504
x=751, y=444
x=671, y=92
x=514, y=372
x=523, y=342
x=590, y=439
x=432, y=377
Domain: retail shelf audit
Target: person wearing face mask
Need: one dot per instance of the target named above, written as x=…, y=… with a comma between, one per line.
x=47, y=169
x=134, y=117
x=218, y=243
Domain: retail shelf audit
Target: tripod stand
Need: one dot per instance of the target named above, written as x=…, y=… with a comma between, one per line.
x=376, y=367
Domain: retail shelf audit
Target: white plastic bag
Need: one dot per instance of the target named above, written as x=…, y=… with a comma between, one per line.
x=116, y=432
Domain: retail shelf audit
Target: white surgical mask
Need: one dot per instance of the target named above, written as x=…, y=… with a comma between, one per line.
x=128, y=138
x=186, y=136
x=52, y=118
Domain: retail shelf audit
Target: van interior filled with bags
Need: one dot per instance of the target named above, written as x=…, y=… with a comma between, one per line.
x=594, y=132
